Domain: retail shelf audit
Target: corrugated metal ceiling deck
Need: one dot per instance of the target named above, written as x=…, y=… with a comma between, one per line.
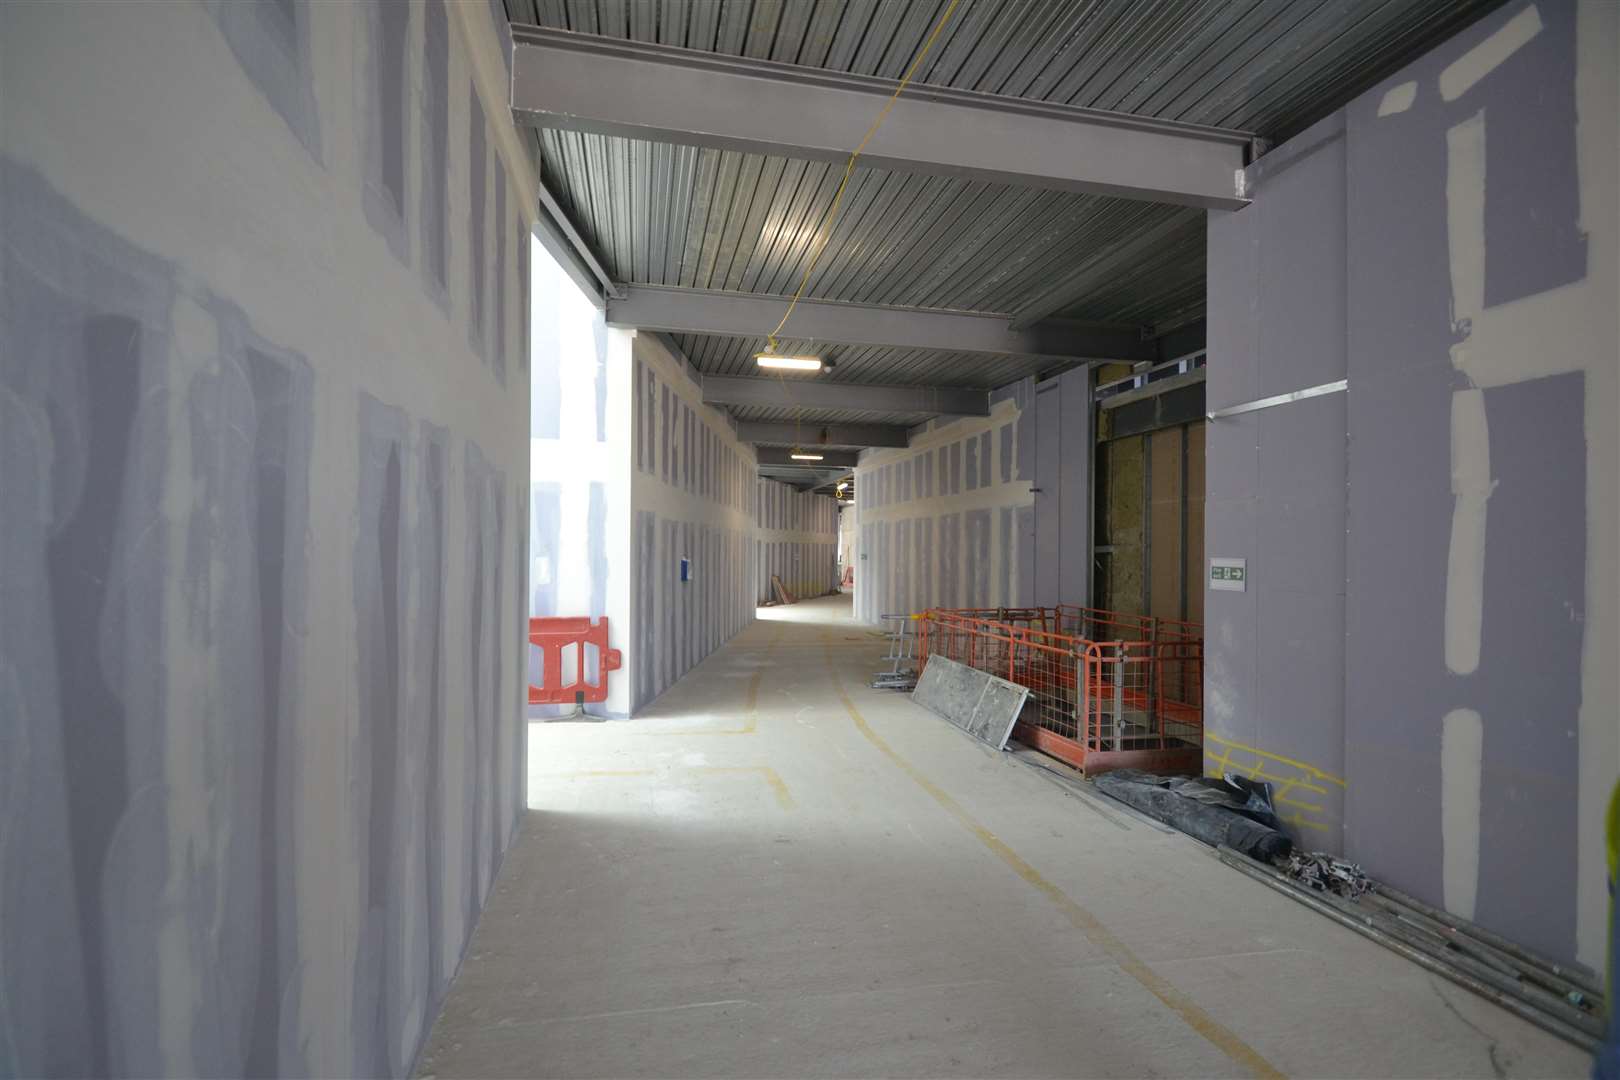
x=676, y=215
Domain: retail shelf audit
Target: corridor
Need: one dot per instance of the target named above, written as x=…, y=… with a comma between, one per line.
x=776, y=871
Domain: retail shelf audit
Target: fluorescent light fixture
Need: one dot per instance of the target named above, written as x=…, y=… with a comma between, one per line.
x=800, y=455
x=788, y=363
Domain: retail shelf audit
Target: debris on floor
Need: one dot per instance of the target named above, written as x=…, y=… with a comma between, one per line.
x=1322, y=872
x=783, y=593
x=1233, y=811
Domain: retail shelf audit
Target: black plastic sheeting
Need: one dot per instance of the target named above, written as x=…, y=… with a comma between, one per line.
x=1233, y=811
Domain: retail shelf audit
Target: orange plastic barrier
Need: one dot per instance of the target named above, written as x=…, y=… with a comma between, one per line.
x=553, y=636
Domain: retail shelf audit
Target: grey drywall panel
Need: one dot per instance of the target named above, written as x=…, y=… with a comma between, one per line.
x=1074, y=486
x=477, y=224
x=435, y=152
x=978, y=540
x=272, y=43
x=1024, y=541
x=499, y=282
x=1275, y=479
x=1403, y=381
x=596, y=542
x=382, y=58
x=379, y=602
x=545, y=531
x=429, y=663
x=1048, y=440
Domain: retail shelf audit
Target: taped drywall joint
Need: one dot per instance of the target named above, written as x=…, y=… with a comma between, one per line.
x=1471, y=487
x=1462, y=753
x=1279, y=399
x=1461, y=74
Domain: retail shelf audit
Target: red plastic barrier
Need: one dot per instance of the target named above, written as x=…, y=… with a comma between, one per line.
x=553, y=635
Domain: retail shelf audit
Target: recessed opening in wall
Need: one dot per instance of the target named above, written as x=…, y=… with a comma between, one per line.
x=1148, y=538
x=578, y=590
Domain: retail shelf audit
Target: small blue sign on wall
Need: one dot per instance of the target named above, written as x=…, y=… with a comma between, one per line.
x=686, y=569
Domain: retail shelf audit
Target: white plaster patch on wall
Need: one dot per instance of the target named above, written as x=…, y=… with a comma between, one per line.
x=1397, y=99
x=1465, y=228
x=1471, y=487
x=1488, y=55
x=1462, y=747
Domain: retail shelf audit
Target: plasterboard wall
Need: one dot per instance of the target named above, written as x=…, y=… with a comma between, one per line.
x=795, y=538
x=692, y=499
x=262, y=460
x=981, y=512
x=1479, y=439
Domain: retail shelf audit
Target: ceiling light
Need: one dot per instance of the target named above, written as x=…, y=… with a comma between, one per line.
x=789, y=363
x=800, y=455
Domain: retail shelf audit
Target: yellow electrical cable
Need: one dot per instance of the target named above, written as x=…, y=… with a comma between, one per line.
x=849, y=168
x=838, y=197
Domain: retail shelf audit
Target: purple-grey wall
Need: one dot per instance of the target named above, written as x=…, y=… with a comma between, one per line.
x=1275, y=481
x=1410, y=660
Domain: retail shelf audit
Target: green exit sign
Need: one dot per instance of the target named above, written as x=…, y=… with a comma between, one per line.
x=1230, y=575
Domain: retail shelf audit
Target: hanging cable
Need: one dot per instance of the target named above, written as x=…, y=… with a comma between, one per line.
x=838, y=198
x=849, y=168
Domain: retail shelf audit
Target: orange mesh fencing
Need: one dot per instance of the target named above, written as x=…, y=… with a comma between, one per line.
x=1107, y=689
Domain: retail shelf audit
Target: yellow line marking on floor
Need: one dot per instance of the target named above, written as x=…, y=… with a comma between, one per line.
x=750, y=722
x=1088, y=924
x=770, y=775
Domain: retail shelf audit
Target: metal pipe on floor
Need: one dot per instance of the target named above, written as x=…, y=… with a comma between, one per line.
x=1465, y=943
x=1581, y=979
x=1511, y=1002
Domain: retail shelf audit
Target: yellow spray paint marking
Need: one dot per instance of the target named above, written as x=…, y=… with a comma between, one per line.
x=750, y=722
x=1088, y=924
x=1267, y=755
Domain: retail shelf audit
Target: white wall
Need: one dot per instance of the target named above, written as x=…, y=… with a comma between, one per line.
x=579, y=471
x=262, y=460
x=949, y=520
x=692, y=497
x=796, y=539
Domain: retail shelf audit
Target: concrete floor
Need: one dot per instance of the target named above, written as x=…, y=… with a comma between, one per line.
x=779, y=872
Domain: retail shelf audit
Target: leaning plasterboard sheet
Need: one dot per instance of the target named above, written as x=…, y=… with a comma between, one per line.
x=981, y=705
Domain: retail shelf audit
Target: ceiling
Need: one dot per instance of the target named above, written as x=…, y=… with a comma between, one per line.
x=663, y=214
